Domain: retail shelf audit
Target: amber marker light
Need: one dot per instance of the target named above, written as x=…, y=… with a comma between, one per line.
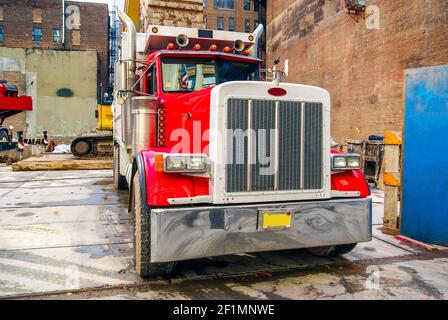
x=247, y=52
x=161, y=127
x=213, y=47
x=154, y=30
x=170, y=46
x=158, y=162
x=197, y=47
x=227, y=50
x=251, y=38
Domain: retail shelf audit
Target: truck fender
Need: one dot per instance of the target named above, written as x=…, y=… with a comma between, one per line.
x=137, y=165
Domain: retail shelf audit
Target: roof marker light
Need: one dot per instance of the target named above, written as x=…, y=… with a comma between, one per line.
x=154, y=30
x=170, y=46
x=197, y=47
x=213, y=47
x=227, y=50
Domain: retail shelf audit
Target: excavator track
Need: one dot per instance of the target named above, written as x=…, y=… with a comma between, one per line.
x=93, y=146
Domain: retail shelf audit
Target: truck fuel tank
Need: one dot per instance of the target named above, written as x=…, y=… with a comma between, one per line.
x=144, y=117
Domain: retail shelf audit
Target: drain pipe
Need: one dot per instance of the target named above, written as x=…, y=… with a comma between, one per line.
x=257, y=33
x=63, y=23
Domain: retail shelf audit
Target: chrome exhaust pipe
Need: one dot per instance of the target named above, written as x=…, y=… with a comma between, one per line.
x=258, y=32
x=128, y=67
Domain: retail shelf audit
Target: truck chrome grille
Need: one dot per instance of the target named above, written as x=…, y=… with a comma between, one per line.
x=286, y=142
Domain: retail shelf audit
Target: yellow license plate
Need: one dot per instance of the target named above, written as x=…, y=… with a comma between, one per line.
x=276, y=220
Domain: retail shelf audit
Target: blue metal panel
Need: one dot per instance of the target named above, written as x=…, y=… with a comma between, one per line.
x=425, y=167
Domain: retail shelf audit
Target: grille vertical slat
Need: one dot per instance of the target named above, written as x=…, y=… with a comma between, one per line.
x=263, y=124
x=289, y=139
x=313, y=146
x=287, y=153
x=236, y=166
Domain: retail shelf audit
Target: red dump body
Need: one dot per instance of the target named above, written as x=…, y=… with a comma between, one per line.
x=11, y=103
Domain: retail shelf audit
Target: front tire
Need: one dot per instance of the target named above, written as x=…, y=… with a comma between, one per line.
x=119, y=180
x=332, y=251
x=142, y=236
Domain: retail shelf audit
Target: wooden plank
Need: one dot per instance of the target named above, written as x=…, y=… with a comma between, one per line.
x=61, y=162
x=390, y=208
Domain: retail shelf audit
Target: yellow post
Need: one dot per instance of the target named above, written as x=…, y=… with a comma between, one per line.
x=104, y=118
x=392, y=182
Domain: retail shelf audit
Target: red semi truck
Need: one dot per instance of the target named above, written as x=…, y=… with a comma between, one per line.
x=218, y=162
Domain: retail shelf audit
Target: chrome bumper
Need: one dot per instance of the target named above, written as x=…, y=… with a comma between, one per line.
x=197, y=232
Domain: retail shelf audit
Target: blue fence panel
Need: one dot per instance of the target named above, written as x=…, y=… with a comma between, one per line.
x=425, y=158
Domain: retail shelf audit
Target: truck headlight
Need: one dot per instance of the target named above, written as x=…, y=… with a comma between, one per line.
x=345, y=162
x=185, y=163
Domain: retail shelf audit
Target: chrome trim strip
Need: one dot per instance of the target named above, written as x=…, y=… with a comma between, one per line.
x=302, y=146
x=249, y=145
x=277, y=145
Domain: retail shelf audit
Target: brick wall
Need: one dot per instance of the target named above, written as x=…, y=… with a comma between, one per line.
x=362, y=68
x=18, y=26
x=186, y=13
x=239, y=14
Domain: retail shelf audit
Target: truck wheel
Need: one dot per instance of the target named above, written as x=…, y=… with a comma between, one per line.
x=142, y=236
x=119, y=180
x=332, y=251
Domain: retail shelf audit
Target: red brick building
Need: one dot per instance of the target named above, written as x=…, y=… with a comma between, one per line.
x=40, y=24
x=235, y=15
x=361, y=63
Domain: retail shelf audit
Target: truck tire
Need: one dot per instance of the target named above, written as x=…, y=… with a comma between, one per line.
x=142, y=236
x=332, y=251
x=119, y=180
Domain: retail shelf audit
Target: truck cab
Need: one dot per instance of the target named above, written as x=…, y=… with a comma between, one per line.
x=219, y=162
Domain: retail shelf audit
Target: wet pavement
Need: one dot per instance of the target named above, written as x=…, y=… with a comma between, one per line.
x=66, y=234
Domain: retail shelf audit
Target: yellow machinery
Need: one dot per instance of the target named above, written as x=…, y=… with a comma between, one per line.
x=132, y=9
x=105, y=118
x=99, y=144
x=102, y=144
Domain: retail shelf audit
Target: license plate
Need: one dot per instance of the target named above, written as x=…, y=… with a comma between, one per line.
x=276, y=220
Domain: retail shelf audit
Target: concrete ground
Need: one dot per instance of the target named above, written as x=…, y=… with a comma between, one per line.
x=66, y=234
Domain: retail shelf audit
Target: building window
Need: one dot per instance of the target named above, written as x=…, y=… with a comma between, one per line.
x=204, y=3
x=37, y=34
x=224, y=4
x=2, y=35
x=231, y=24
x=37, y=15
x=220, y=25
x=256, y=5
x=56, y=36
x=1, y=13
x=247, y=26
x=76, y=37
x=247, y=5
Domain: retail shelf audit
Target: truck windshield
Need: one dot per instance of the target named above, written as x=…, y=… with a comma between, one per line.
x=191, y=74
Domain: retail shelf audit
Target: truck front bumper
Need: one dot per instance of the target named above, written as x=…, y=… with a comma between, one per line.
x=197, y=232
